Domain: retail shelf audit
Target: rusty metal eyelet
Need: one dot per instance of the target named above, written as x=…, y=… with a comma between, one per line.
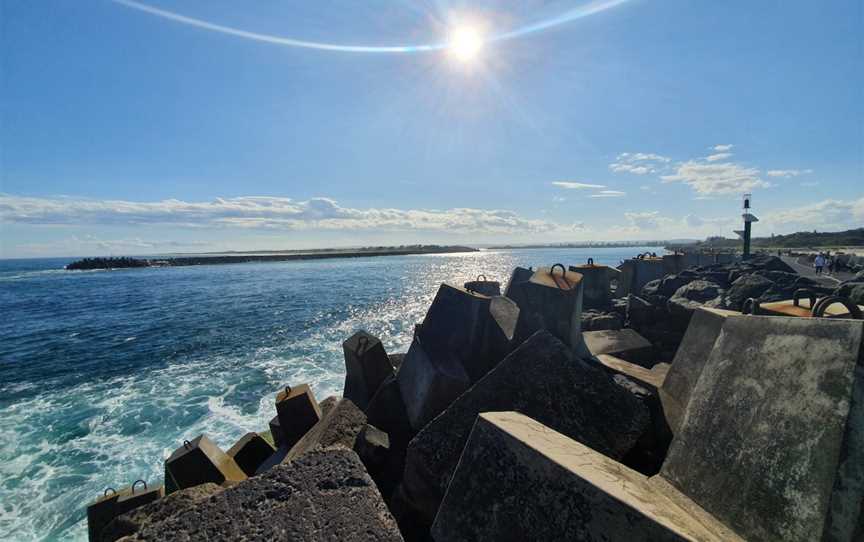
x=751, y=306
x=135, y=483
x=362, y=345
x=107, y=489
x=796, y=297
x=481, y=278
x=590, y=261
x=822, y=306
x=187, y=444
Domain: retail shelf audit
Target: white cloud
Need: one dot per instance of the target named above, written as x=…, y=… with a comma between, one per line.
x=787, y=172
x=608, y=194
x=716, y=178
x=718, y=156
x=638, y=163
x=825, y=215
x=263, y=213
x=577, y=186
x=647, y=220
x=723, y=148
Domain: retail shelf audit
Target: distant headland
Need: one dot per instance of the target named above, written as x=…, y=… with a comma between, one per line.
x=261, y=256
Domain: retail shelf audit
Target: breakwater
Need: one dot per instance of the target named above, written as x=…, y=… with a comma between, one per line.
x=221, y=259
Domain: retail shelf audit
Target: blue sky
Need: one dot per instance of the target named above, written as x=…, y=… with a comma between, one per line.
x=124, y=131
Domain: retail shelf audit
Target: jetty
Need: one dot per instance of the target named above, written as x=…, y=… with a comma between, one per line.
x=668, y=398
x=264, y=256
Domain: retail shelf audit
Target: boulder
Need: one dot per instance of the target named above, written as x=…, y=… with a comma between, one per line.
x=201, y=461
x=745, y=287
x=551, y=300
x=521, y=480
x=641, y=312
x=250, y=452
x=693, y=295
x=668, y=285
x=327, y=404
x=298, y=411
x=600, y=321
x=154, y=512
x=324, y=495
x=429, y=380
x=366, y=367
x=772, y=441
x=543, y=380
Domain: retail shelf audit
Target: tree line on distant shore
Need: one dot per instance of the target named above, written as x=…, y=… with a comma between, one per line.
x=120, y=262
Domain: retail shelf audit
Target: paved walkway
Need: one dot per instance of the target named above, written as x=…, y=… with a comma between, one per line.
x=806, y=269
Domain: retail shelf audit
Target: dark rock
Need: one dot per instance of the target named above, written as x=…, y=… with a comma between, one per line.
x=744, y=288
x=366, y=367
x=695, y=294
x=429, y=380
x=327, y=404
x=668, y=285
x=324, y=495
x=641, y=312
x=250, y=452
x=601, y=321
x=854, y=291
x=171, y=505
x=542, y=380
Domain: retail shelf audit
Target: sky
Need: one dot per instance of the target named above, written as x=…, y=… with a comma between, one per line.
x=186, y=126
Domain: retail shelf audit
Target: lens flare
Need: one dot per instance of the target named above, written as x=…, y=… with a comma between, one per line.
x=465, y=43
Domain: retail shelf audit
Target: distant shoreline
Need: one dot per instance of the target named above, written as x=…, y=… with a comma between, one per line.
x=223, y=259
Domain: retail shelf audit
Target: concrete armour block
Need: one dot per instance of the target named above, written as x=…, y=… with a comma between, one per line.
x=550, y=300
x=476, y=328
x=250, y=452
x=201, y=461
x=489, y=288
x=113, y=503
x=429, y=381
x=653, y=377
x=298, y=411
x=772, y=439
x=519, y=480
x=689, y=360
x=596, y=284
x=616, y=341
x=542, y=380
x=366, y=367
x=276, y=431
x=324, y=495
x=519, y=275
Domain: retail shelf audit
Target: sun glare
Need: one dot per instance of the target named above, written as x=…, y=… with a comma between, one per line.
x=465, y=43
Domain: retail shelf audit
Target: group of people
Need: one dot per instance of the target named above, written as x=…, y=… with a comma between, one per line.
x=824, y=260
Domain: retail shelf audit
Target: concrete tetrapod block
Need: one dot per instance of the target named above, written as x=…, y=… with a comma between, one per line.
x=653, y=377
x=551, y=300
x=596, y=284
x=324, y=495
x=428, y=382
x=103, y=510
x=201, y=461
x=276, y=431
x=636, y=273
x=489, y=288
x=476, y=328
x=298, y=411
x=250, y=452
x=519, y=275
x=366, y=367
x=522, y=481
x=542, y=380
x=690, y=358
x=614, y=341
x=772, y=440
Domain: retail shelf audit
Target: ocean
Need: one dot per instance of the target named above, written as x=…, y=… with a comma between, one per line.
x=104, y=373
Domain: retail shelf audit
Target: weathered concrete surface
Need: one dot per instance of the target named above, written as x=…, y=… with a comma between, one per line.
x=250, y=452
x=387, y=412
x=429, y=380
x=614, y=341
x=485, y=287
x=520, y=480
x=550, y=300
x=476, y=328
x=540, y=379
x=771, y=441
x=596, y=284
x=653, y=377
x=201, y=461
x=103, y=510
x=519, y=275
x=276, y=432
x=689, y=360
x=325, y=495
x=298, y=411
x=366, y=367
x=131, y=522
x=636, y=273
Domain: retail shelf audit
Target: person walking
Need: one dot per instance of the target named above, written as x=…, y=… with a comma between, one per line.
x=819, y=263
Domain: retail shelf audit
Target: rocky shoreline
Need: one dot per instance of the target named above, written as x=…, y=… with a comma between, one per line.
x=559, y=410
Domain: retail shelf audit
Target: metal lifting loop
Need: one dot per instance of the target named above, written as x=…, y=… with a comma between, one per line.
x=135, y=483
x=362, y=344
x=751, y=306
x=796, y=297
x=481, y=278
x=287, y=391
x=107, y=489
x=563, y=274
x=823, y=304
x=187, y=444
x=590, y=261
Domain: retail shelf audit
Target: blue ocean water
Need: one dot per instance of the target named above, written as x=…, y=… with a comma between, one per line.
x=104, y=373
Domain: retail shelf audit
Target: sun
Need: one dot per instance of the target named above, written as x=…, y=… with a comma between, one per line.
x=465, y=43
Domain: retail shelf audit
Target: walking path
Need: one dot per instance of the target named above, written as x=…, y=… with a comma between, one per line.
x=807, y=270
